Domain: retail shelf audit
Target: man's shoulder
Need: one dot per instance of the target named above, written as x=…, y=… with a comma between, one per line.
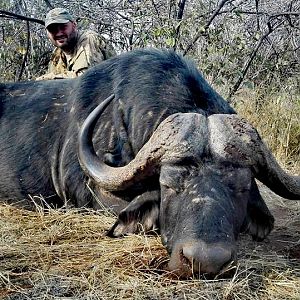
x=88, y=32
x=88, y=36
x=96, y=41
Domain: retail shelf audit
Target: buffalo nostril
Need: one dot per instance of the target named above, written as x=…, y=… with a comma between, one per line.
x=207, y=258
x=198, y=257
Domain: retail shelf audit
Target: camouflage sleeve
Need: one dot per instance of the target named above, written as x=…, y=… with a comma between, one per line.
x=89, y=52
x=94, y=49
x=57, y=67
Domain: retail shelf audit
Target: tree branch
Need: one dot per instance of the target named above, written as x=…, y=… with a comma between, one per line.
x=202, y=31
x=7, y=14
x=256, y=9
x=251, y=58
x=181, y=5
x=49, y=5
x=26, y=53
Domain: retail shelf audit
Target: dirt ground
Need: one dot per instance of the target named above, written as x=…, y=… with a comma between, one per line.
x=285, y=238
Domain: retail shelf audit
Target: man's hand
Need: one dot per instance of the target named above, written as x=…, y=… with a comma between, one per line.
x=50, y=76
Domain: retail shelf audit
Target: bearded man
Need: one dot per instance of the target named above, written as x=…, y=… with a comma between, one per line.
x=76, y=50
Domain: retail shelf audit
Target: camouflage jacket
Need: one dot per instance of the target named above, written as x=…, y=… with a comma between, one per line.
x=90, y=49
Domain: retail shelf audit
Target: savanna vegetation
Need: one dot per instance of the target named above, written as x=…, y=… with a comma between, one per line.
x=249, y=51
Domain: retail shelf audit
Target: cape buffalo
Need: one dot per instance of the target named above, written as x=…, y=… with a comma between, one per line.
x=144, y=135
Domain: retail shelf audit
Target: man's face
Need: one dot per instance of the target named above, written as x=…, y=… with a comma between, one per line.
x=62, y=35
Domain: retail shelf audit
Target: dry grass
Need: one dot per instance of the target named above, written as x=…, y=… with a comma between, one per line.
x=66, y=255
x=276, y=115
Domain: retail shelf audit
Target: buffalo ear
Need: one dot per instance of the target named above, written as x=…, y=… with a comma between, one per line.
x=141, y=215
x=259, y=221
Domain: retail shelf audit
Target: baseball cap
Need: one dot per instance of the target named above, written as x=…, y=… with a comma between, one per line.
x=57, y=16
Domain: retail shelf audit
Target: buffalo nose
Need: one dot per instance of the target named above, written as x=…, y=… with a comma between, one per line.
x=198, y=257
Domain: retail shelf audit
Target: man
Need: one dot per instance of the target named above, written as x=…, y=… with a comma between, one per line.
x=75, y=50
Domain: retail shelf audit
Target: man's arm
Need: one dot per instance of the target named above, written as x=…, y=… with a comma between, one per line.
x=49, y=76
x=57, y=68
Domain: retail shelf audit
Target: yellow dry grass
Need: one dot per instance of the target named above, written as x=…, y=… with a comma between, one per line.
x=64, y=254
x=276, y=116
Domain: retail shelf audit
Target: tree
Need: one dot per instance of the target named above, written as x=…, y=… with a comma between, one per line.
x=235, y=42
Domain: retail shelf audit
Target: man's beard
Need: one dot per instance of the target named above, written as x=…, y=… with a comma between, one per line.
x=69, y=47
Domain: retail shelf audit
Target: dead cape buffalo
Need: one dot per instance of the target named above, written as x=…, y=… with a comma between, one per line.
x=147, y=135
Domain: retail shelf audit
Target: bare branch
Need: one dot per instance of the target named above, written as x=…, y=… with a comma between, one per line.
x=249, y=12
x=10, y=15
x=256, y=9
x=181, y=6
x=49, y=5
x=26, y=53
x=202, y=31
x=251, y=58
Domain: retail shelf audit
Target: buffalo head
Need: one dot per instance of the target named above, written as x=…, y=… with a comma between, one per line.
x=206, y=169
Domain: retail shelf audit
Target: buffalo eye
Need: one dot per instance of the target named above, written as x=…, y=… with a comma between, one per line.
x=173, y=177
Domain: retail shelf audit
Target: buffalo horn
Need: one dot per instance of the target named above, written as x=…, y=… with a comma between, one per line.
x=269, y=172
x=235, y=139
x=107, y=177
